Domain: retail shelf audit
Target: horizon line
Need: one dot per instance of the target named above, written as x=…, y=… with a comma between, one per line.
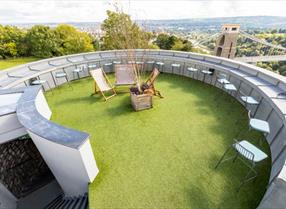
x=167, y=19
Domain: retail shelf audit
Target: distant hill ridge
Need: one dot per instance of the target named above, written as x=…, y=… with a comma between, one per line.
x=244, y=21
x=247, y=22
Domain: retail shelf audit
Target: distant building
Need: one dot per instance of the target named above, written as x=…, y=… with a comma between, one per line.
x=226, y=42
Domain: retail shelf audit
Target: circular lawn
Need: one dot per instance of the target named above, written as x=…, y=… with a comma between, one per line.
x=163, y=157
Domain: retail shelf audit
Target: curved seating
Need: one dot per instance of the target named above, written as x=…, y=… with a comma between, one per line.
x=262, y=85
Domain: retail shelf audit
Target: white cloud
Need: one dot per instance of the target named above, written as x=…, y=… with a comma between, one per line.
x=16, y=11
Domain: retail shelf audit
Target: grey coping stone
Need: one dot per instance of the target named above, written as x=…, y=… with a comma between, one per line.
x=276, y=197
x=59, y=62
x=107, y=54
x=167, y=53
x=180, y=54
x=230, y=64
x=213, y=59
x=8, y=109
x=269, y=79
x=21, y=74
x=92, y=56
x=76, y=59
x=32, y=120
x=40, y=66
x=270, y=91
x=12, y=90
x=249, y=69
x=7, y=80
x=281, y=104
x=258, y=81
x=196, y=56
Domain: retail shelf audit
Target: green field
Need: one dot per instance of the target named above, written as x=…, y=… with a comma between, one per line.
x=4, y=64
x=163, y=157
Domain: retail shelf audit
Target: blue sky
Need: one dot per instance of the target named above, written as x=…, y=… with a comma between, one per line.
x=39, y=11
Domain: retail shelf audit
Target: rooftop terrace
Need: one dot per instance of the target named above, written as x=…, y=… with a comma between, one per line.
x=167, y=155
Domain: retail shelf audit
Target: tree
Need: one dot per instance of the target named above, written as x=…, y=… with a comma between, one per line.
x=42, y=41
x=71, y=41
x=171, y=42
x=121, y=33
x=11, y=41
x=178, y=45
x=164, y=41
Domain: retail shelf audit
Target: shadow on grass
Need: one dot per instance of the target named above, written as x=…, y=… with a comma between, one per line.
x=122, y=108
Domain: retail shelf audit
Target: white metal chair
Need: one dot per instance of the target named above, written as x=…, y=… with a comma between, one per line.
x=193, y=71
x=229, y=87
x=221, y=79
x=160, y=66
x=248, y=100
x=176, y=66
x=116, y=62
x=108, y=67
x=91, y=67
x=42, y=82
x=77, y=71
x=258, y=125
x=206, y=72
x=249, y=154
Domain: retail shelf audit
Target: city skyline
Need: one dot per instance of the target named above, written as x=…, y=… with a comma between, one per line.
x=42, y=11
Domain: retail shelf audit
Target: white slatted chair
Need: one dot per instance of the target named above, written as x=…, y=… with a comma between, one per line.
x=249, y=154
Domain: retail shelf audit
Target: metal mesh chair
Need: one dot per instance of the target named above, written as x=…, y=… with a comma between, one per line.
x=258, y=125
x=249, y=154
x=221, y=79
x=176, y=67
x=160, y=66
x=41, y=82
x=193, y=70
x=77, y=71
x=62, y=75
x=248, y=101
x=206, y=72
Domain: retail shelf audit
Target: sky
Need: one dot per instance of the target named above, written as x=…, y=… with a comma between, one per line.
x=43, y=11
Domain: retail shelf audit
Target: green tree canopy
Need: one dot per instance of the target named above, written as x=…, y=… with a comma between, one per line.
x=165, y=41
x=11, y=41
x=71, y=41
x=121, y=33
x=171, y=42
x=42, y=41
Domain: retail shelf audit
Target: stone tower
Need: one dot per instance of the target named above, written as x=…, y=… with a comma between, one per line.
x=226, y=42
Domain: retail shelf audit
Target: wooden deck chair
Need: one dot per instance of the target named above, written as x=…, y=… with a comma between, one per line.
x=124, y=75
x=151, y=81
x=102, y=82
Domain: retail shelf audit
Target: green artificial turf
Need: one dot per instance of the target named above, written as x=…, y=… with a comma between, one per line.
x=163, y=157
x=7, y=63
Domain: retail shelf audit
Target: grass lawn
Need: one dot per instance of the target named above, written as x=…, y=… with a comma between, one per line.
x=4, y=64
x=163, y=157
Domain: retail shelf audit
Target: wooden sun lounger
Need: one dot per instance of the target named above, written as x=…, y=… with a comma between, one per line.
x=151, y=82
x=124, y=75
x=101, y=81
